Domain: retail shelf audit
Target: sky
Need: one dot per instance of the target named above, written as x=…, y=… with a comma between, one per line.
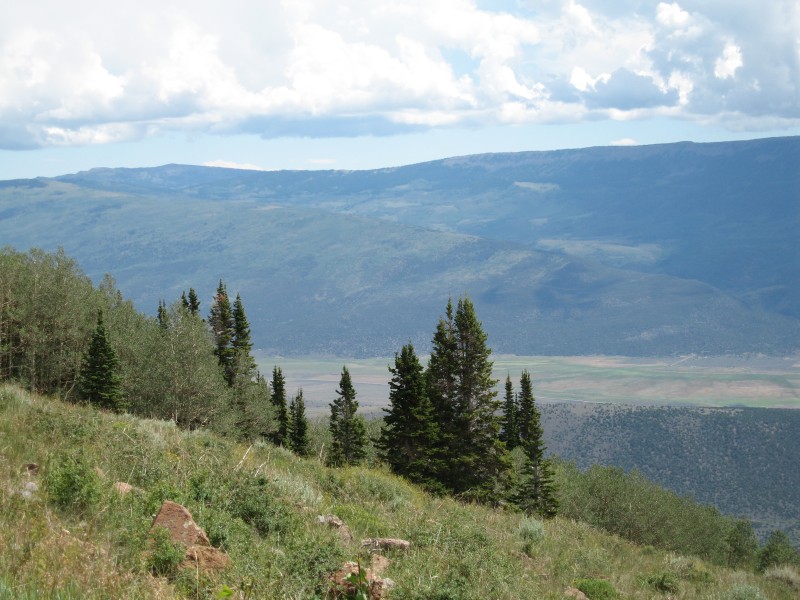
x=355, y=84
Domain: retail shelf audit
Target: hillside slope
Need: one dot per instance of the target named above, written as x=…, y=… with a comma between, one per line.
x=643, y=251
x=260, y=504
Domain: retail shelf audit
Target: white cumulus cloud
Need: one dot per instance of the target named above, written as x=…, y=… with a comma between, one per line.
x=100, y=72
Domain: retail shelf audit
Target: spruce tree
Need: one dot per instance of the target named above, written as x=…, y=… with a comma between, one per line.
x=349, y=433
x=162, y=315
x=298, y=425
x=193, y=303
x=243, y=363
x=509, y=433
x=220, y=320
x=99, y=376
x=280, y=437
x=525, y=406
x=535, y=491
x=472, y=461
x=408, y=436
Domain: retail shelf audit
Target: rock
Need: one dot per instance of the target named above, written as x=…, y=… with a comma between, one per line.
x=379, y=563
x=341, y=588
x=181, y=526
x=123, y=489
x=336, y=523
x=575, y=593
x=376, y=544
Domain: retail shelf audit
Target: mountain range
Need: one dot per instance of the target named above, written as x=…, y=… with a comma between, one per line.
x=648, y=250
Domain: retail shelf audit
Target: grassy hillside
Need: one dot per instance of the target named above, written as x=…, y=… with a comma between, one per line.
x=260, y=504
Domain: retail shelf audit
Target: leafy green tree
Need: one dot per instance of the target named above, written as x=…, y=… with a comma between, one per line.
x=408, y=436
x=472, y=461
x=509, y=433
x=298, y=425
x=777, y=551
x=535, y=491
x=220, y=320
x=100, y=378
x=348, y=430
x=742, y=544
x=253, y=415
x=280, y=436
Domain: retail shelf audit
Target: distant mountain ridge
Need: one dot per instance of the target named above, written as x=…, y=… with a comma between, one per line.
x=638, y=250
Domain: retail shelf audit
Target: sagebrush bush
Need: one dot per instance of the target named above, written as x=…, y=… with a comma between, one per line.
x=785, y=574
x=597, y=589
x=71, y=482
x=664, y=582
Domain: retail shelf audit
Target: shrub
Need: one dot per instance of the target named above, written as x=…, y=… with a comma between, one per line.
x=777, y=551
x=743, y=592
x=532, y=533
x=784, y=574
x=72, y=483
x=664, y=582
x=253, y=502
x=597, y=589
x=166, y=555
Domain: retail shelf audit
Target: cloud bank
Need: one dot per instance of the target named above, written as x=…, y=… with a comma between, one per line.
x=98, y=72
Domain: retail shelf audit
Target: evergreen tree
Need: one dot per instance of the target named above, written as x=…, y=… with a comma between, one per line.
x=99, y=376
x=408, y=436
x=509, y=433
x=243, y=363
x=298, y=425
x=184, y=302
x=220, y=320
x=776, y=552
x=193, y=303
x=162, y=316
x=472, y=461
x=280, y=437
x=535, y=492
x=525, y=406
x=349, y=443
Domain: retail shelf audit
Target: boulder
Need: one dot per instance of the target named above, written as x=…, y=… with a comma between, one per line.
x=377, y=544
x=178, y=521
x=377, y=586
x=575, y=593
x=336, y=523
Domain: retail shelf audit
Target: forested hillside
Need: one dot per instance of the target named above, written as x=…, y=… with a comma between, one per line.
x=654, y=250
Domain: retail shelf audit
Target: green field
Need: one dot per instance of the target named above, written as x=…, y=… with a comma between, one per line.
x=756, y=381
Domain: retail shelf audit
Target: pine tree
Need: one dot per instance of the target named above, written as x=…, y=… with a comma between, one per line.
x=193, y=304
x=349, y=443
x=280, y=437
x=472, y=461
x=220, y=320
x=243, y=363
x=162, y=316
x=184, y=302
x=535, y=492
x=408, y=436
x=509, y=433
x=298, y=425
x=99, y=376
x=525, y=406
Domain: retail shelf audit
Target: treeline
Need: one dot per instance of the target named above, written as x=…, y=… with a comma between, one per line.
x=445, y=427
x=61, y=335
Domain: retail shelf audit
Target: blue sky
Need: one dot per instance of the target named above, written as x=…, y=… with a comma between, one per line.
x=361, y=84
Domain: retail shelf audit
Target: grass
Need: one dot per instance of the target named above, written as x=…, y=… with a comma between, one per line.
x=261, y=503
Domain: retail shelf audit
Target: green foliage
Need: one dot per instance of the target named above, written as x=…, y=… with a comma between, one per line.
x=509, y=432
x=72, y=483
x=742, y=544
x=244, y=365
x=531, y=531
x=298, y=425
x=99, y=376
x=597, y=589
x=348, y=431
x=165, y=555
x=279, y=437
x=408, y=436
x=252, y=500
x=664, y=582
x=220, y=320
x=470, y=460
x=777, y=551
x=629, y=505
x=741, y=592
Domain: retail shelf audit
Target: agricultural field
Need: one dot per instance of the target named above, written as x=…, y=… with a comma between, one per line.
x=755, y=381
